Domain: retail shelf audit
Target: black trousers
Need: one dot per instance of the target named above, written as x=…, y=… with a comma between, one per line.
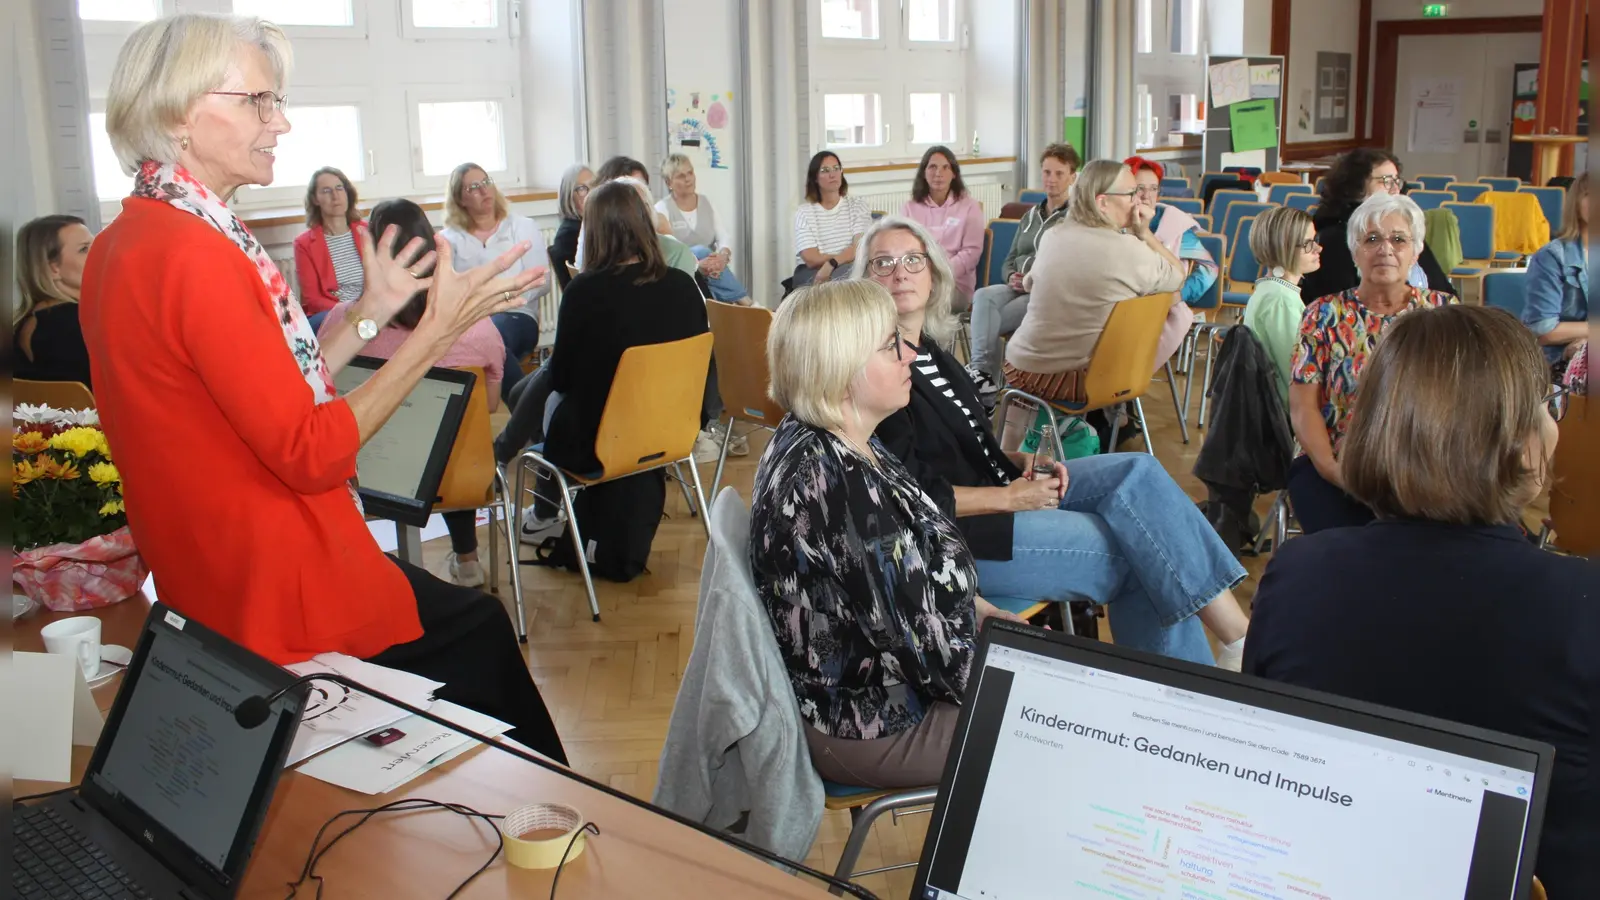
x=1319, y=504
x=468, y=643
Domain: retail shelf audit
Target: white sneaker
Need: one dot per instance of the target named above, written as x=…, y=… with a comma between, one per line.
x=706, y=448
x=466, y=574
x=536, y=530
x=985, y=386
x=738, y=446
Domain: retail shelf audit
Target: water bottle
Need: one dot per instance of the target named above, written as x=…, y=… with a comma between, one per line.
x=1044, y=456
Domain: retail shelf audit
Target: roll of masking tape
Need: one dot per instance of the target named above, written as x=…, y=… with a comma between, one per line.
x=537, y=835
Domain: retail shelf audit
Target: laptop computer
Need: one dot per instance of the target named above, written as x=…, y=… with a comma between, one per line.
x=176, y=790
x=1083, y=770
x=399, y=469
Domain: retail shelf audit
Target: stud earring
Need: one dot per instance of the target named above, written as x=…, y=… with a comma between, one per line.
x=183, y=142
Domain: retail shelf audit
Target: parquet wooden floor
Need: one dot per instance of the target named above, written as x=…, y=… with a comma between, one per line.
x=611, y=684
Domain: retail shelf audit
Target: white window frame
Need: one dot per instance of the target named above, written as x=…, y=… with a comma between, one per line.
x=953, y=45
x=280, y=193
x=356, y=30
x=95, y=27
x=500, y=31
x=511, y=106
x=108, y=208
x=958, y=106
x=885, y=114
x=881, y=42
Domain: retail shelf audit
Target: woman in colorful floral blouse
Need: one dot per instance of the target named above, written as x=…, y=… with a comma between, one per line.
x=1337, y=335
x=871, y=589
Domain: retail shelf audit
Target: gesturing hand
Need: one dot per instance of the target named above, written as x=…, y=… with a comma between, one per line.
x=456, y=300
x=391, y=279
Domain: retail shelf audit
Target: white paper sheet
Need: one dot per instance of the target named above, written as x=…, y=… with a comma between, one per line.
x=1230, y=83
x=361, y=766
x=335, y=714
x=1436, y=124
x=53, y=711
x=1266, y=81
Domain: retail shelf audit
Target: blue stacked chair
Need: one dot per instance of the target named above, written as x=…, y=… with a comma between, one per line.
x=1225, y=198
x=1467, y=192
x=1176, y=187
x=1434, y=182
x=1553, y=200
x=1032, y=198
x=1306, y=202
x=1509, y=185
x=1187, y=204
x=1243, y=267
x=1281, y=192
x=1431, y=199
x=1003, y=234
x=1237, y=213
x=1506, y=290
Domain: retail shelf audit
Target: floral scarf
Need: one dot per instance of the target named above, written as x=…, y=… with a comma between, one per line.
x=172, y=184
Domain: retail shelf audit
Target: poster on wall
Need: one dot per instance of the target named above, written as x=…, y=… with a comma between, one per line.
x=1230, y=83
x=1266, y=82
x=697, y=125
x=1332, y=110
x=1436, y=124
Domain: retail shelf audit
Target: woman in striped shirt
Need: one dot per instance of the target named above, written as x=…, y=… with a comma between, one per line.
x=828, y=224
x=327, y=256
x=1111, y=529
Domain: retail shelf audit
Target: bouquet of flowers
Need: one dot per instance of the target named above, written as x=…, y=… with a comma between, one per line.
x=74, y=551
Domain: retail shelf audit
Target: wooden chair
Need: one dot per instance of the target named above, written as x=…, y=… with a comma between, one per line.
x=1120, y=371
x=473, y=480
x=742, y=374
x=1575, y=492
x=1277, y=178
x=54, y=394
x=651, y=420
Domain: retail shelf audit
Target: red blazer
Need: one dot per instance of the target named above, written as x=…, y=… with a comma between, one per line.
x=235, y=481
x=313, y=266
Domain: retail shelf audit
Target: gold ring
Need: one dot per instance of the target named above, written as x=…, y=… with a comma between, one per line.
x=508, y=296
x=413, y=274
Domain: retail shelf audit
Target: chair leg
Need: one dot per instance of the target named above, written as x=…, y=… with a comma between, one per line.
x=722, y=457
x=1114, y=412
x=513, y=552
x=677, y=475
x=1172, y=383
x=1138, y=405
x=700, y=494
x=1205, y=386
x=1188, y=376
x=494, y=546
x=861, y=827
x=577, y=544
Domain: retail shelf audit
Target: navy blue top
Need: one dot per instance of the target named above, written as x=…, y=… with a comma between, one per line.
x=1469, y=624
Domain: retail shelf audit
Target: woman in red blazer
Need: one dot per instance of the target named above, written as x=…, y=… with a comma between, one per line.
x=237, y=457
x=327, y=255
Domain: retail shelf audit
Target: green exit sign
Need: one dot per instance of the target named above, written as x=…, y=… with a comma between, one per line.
x=1435, y=11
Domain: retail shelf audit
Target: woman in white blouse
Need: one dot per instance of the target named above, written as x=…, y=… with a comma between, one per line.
x=695, y=223
x=829, y=224
x=480, y=226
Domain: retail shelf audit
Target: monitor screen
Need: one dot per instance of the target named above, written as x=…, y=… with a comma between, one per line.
x=1076, y=780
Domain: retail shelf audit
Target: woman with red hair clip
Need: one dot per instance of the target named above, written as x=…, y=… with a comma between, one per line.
x=1174, y=228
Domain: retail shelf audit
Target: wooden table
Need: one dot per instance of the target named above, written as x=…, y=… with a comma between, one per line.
x=637, y=853
x=1303, y=169
x=1547, y=152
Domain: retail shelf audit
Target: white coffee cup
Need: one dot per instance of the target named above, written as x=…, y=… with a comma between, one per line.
x=78, y=637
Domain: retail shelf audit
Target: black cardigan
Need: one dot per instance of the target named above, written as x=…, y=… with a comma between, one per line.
x=942, y=452
x=1474, y=625
x=59, y=353
x=1338, y=271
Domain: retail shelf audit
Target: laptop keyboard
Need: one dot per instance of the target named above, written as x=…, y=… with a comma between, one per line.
x=56, y=860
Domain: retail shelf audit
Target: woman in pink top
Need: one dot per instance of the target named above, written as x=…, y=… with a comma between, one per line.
x=940, y=202
x=480, y=346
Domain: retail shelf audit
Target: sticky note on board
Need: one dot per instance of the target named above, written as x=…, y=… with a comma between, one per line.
x=1253, y=125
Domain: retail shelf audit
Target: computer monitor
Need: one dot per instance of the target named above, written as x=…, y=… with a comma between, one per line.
x=1083, y=770
x=399, y=469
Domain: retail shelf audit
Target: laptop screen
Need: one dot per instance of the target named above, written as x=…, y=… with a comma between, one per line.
x=175, y=767
x=1077, y=773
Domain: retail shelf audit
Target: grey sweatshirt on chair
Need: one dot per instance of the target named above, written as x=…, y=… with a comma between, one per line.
x=734, y=743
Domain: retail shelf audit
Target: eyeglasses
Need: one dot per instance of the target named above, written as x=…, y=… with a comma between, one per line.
x=1388, y=181
x=581, y=189
x=1399, y=242
x=1557, y=402
x=331, y=190
x=1148, y=190
x=829, y=170
x=266, y=102
x=1311, y=245
x=896, y=344
x=884, y=265
x=481, y=186
x=1119, y=193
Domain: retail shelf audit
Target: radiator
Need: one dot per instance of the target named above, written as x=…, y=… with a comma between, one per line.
x=990, y=196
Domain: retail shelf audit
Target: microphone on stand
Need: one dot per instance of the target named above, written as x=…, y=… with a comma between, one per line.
x=253, y=711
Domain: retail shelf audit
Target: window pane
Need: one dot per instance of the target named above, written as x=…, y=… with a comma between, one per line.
x=109, y=182
x=851, y=120
x=850, y=19
x=298, y=12
x=455, y=13
x=931, y=20
x=1143, y=27
x=1189, y=34
x=456, y=132
x=933, y=118
x=319, y=136
x=119, y=10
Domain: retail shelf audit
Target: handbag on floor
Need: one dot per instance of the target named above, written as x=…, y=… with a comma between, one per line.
x=617, y=521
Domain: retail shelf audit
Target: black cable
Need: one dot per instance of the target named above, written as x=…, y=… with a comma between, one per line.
x=314, y=855
x=590, y=827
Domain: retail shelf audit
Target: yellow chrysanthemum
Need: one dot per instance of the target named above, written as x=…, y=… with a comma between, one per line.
x=112, y=507
x=79, y=442
x=24, y=471
x=65, y=471
x=104, y=473
x=29, y=442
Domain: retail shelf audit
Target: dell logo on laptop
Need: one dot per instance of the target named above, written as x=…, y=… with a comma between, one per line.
x=149, y=838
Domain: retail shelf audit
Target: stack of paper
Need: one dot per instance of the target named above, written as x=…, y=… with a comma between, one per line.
x=370, y=769
x=335, y=714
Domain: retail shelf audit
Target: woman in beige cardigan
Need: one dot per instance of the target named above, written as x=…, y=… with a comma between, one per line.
x=1102, y=254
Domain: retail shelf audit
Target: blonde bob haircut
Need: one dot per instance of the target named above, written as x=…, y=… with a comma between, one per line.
x=455, y=215
x=820, y=341
x=1276, y=236
x=167, y=65
x=673, y=164
x=1572, y=223
x=1447, y=419
x=938, y=322
x=1098, y=177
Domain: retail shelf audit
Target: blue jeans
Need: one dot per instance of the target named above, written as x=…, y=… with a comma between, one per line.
x=520, y=333
x=315, y=319
x=724, y=287
x=1127, y=536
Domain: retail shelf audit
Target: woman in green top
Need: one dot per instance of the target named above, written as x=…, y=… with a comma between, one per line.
x=1284, y=240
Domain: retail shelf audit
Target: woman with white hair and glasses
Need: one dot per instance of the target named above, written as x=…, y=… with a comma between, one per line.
x=200, y=352
x=1129, y=535
x=1337, y=335
x=571, y=196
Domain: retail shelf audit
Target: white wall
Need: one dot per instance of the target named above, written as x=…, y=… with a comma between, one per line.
x=35, y=184
x=1329, y=26
x=552, y=132
x=1257, y=27
x=701, y=50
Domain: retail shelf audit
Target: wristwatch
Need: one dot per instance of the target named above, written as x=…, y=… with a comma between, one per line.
x=366, y=329
x=833, y=262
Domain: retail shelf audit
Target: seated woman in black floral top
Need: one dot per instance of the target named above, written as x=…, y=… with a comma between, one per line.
x=871, y=589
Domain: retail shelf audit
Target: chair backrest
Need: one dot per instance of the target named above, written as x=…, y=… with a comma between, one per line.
x=741, y=352
x=1506, y=290
x=1187, y=204
x=1204, y=220
x=563, y=276
x=652, y=414
x=1427, y=200
x=1001, y=234
x=1251, y=171
x=1552, y=200
x=1212, y=298
x=1414, y=186
x=1304, y=202
x=1033, y=198
x=1495, y=183
x=878, y=214
x=1221, y=200
x=1243, y=265
x=469, y=474
x=1016, y=209
x=1210, y=178
x=1575, y=485
x=1238, y=212
x=1279, y=193
x=1477, y=229
x=1277, y=178
x=1125, y=355
x=1176, y=185
x=1228, y=184
x=1465, y=191
x=55, y=394
x=1434, y=182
